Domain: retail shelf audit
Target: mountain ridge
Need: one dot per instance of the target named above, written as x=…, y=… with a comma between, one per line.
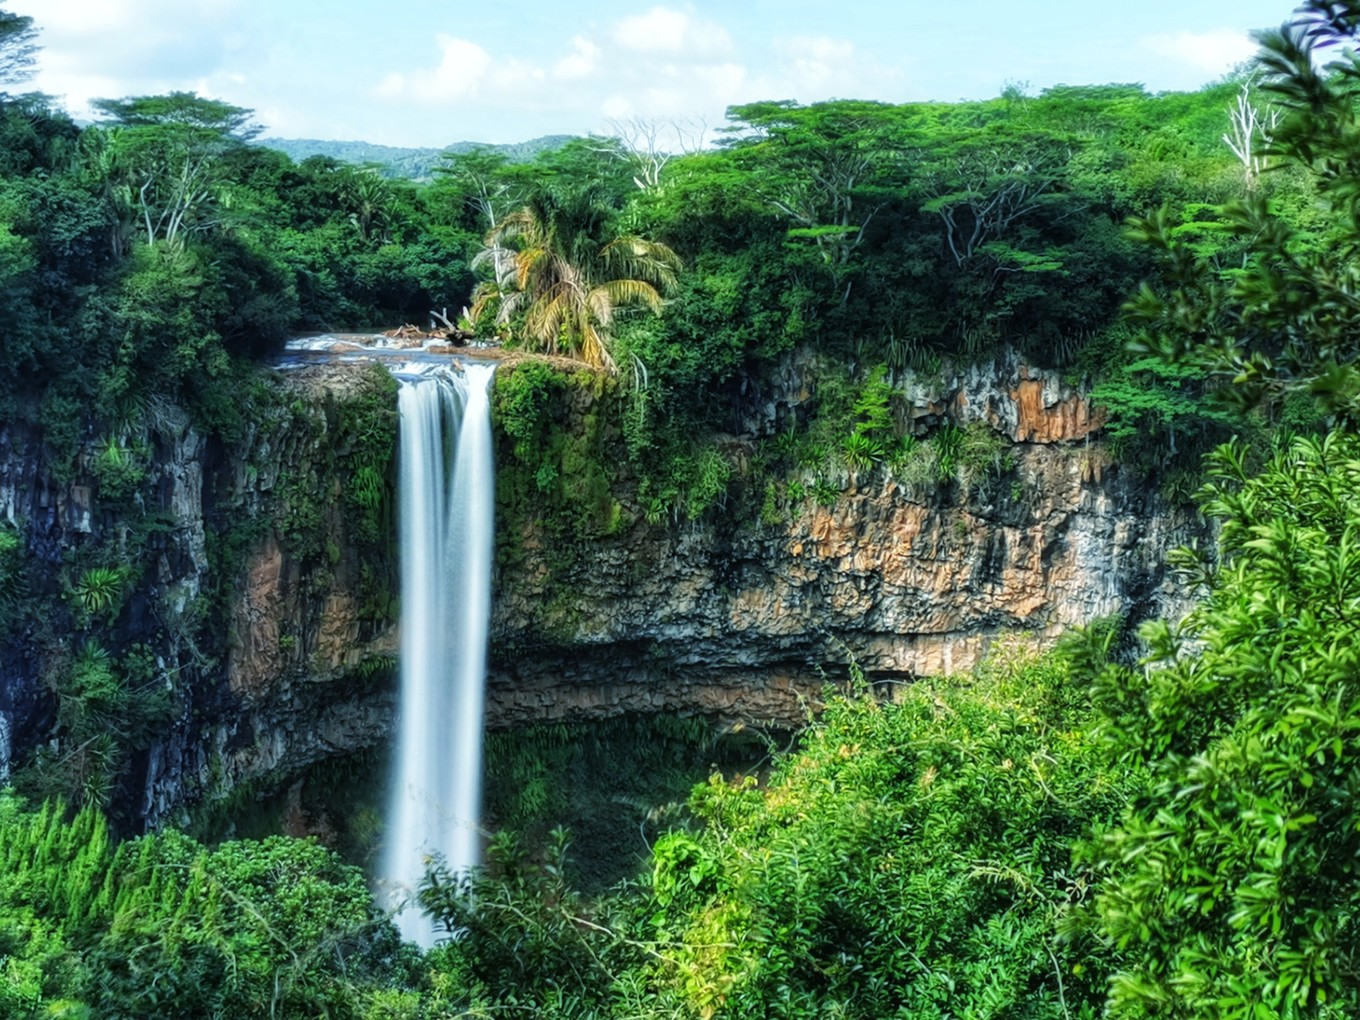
x=414, y=162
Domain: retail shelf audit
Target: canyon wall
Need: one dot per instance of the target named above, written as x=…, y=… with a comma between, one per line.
x=268, y=609
x=252, y=632
x=750, y=619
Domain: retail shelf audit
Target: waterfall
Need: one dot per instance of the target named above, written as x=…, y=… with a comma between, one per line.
x=446, y=505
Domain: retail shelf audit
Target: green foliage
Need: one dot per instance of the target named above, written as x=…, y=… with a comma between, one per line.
x=118, y=469
x=561, y=428
x=1228, y=886
x=874, y=429
x=523, y=402
x=708, y=481
x=1231, y=885
x=854, y=427
x=163, y=927
x=527, y=940
x=1281, y=318
x=614, y=784
x=107, y=708
x=1160, y=416
x=562, y=270
x=13, y=581
x=364, y=442
x=910, y=859
x=99, y=590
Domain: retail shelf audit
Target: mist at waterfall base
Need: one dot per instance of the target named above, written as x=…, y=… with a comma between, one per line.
x=446, y=488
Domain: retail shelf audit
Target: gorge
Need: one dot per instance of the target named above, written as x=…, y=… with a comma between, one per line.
x=733, y=618
x=913, y=569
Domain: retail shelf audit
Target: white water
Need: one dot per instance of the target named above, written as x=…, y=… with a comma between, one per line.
x=446, y=503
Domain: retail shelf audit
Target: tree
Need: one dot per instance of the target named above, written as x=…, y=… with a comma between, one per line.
x=554, y=268
x=1287, y=320
x=162, y=927
x=371, y=201
x=17, y=48
x=186, y=110
x=1232, y=885
x=648, y=145
x=1250, y=131
x=480, y=180
x=988, y=182
x=165, y=151
x=824, y=167
x=910, y=859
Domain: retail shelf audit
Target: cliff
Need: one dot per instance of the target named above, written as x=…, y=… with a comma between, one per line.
x=259, y=606
x=749, y=618
x=230, y=596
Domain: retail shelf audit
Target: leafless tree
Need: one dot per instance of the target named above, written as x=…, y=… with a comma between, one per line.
x=1249, y=134
x=649, y=144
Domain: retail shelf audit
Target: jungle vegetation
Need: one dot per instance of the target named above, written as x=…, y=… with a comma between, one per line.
x=1164, y=827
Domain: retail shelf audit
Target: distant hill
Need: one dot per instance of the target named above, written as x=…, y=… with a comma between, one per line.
x=417, y=164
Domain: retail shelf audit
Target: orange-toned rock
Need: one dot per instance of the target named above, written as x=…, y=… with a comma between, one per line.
x=1065, y=420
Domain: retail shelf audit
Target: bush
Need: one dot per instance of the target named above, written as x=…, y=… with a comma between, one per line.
x=1233, y=885
x=911, y=859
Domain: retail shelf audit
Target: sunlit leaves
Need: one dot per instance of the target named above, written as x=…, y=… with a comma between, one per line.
x=1235, y=884
x=910, y=859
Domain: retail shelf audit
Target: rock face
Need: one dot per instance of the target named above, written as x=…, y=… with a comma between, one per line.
x=903, y=580
x=270, y=617
x=258, y=610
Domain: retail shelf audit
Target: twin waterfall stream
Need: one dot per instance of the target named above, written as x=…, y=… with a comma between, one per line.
x=446, y=504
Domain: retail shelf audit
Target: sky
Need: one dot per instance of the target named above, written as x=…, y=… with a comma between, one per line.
x=433, y=72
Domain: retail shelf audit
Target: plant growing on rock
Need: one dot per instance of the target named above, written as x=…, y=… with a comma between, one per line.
x=99, y=590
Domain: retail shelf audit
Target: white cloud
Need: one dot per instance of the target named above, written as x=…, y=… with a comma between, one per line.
x=664, y=63
x=617, y=107
x=78, y=17
x=114, y=48
x=672, y=32
x=459, y=74
x=722, y=80
x=813, y=68
x=815, y=61
x=1214, y=51
x=580, y=62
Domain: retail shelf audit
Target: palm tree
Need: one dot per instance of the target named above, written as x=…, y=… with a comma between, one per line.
x=551, y=266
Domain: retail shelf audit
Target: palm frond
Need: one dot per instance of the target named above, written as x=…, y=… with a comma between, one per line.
x=482, y=298
x=531, y=263
x=551, y=267
x=546, y=318
x=631, y=292
x=513, y=226
x=640, y=259
x=594, y=350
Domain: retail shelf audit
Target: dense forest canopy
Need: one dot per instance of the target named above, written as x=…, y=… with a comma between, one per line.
x=1075, y=834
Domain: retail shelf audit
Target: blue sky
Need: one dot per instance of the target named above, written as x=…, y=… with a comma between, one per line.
x=421, y=72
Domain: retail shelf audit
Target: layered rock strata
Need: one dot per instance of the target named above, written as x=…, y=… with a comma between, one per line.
x=903, y=580
x=736, y=618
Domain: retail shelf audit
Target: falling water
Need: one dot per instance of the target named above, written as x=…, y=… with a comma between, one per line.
x=446, y=507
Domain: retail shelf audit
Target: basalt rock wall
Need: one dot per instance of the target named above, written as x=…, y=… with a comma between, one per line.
x=252, y=628
x=263, y=584
x=903, y=578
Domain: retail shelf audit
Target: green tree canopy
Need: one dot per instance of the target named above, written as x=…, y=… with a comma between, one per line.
x=1233, y=885
x=1286, y=318
x=181, y=109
